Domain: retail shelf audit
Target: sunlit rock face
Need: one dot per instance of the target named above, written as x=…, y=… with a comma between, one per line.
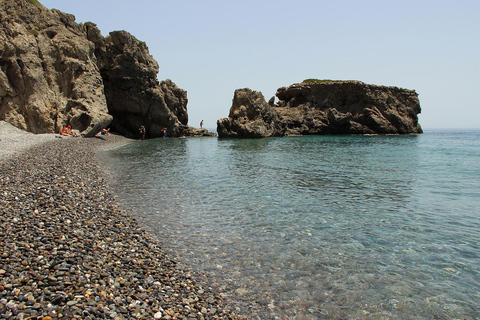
x=48, y=71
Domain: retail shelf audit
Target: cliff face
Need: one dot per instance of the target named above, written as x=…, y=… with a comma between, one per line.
x=48, y=71
x=323, y=107
x=54, y=71
x=134, y=95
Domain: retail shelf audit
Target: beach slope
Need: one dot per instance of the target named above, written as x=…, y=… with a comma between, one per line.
x=68, y=250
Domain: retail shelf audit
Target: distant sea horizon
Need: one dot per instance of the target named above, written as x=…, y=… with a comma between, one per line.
x=450, y=129
x=318, y=227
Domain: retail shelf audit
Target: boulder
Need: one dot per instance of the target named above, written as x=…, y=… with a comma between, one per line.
x=323, y=107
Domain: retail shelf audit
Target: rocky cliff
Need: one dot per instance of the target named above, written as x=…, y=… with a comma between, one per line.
x=134, y=95
x=54, y=71
x=323, y=107
x=48, y=71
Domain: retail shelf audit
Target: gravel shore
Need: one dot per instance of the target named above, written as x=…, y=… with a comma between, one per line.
x=14, y=140
x=68, y=251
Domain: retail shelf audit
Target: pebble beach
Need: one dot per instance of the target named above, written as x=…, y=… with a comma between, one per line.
x=68, y=251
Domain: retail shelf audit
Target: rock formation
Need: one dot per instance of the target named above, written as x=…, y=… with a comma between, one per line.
x=323, y=107
x=48, y=71
x=54, y=71
x=134, y=95
x=250, y=117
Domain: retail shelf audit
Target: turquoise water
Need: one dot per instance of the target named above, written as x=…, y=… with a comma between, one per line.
x=318, y=227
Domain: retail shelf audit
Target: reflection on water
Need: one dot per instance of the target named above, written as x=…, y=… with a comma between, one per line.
x=318, y=227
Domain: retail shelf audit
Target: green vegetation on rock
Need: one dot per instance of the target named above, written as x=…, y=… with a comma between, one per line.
x=35, y=2
x=320, y=81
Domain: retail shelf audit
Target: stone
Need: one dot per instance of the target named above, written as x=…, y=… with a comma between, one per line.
x=323, y=107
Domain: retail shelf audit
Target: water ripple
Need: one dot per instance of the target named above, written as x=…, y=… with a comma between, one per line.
x=319, y=227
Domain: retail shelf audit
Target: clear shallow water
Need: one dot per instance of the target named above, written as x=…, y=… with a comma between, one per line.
x=370, y=227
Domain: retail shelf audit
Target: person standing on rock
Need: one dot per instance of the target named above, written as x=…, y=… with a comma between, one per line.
x=142, y=132
x=201, y=124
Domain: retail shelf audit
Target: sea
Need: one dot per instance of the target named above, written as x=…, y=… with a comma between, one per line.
x=317, y=227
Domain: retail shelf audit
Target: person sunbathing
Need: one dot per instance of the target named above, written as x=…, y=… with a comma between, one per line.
x=65, y=131
x=103, y=132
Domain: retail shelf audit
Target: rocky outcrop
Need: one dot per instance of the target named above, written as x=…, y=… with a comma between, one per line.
x=55, y=71
x=250, y=117
x=187, y=131
x=48, y=71
x=134, y=95
x=323, y=107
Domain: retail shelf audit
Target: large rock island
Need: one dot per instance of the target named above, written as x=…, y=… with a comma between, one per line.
x=316, y=107
x=54, y=71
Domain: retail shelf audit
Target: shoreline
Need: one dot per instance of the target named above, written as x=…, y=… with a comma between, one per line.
x=68, y=250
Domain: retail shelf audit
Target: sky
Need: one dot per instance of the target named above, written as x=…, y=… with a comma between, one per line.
x=210, y=48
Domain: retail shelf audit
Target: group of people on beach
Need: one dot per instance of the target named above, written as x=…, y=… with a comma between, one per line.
x=66, y=131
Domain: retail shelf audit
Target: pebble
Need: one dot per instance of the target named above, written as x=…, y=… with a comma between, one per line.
x=69, y=251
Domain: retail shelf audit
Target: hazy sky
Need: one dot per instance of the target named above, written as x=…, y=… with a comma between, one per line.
x=211, y=48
